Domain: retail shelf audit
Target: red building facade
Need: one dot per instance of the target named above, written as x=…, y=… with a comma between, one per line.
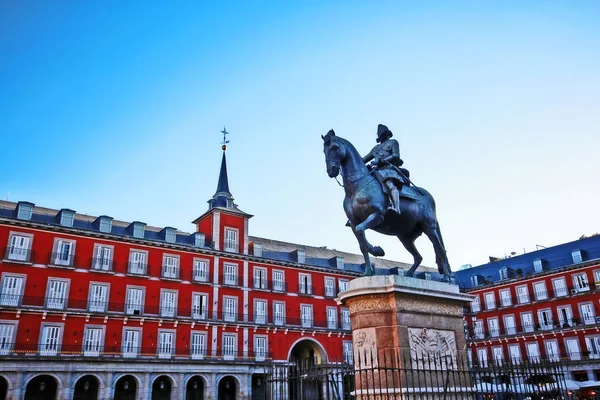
x=91, y=307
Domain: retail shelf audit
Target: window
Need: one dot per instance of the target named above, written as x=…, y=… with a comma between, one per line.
x=137, y=262
x=478, y=329
x=278, y=313
x=306, y=316
x=260, y=348
x=475, y=280
x=278, y=281
x=12, y=290
x=260, y=278
x=24, y=210
x=580, y=282
x=170, y=267
x=257, y=250
x=50, y=341
x=597, y=277
x=260, y=311
x=552, y=353
x=515, y=352
x=102, y=260
x=166, y=340
x=305, y=284
x=522, y=294
x=98, y=297
x=482, y=356
x=105, y=224
x=527, y=322
x=588, y=316
x=503, y=272
x=230, y=309
x=66, y=217
x=301, y=256
x=593, y=346
x=135, y=301
x=92, y=341
x=199, y=239
x=170, y=235
x=576, y=254
x=348, y=353
x=199, y=305
x=231, y=240
x=168, y=303
x=346, y=319
x=490, y=301
x=331, y=317
x=131, y=343
x=329, y=287
x=505, y=299
x=533, y=351
x=510, y=325
x=497, y=355
x=229, y=346
x=565, y=316
x=475, y=304
x=339, y=262
x=545, y=319
x=231, y=275
x=200, y=273
x=139, y=229
x=7, y=337
x=560, y=287
x=19, y=247
x=198, y=345
x=539, y=288
x=572, y=346
x=538, y=266
x=63, y=253
x=57, y=294
x=493, y=327
x=343, y=285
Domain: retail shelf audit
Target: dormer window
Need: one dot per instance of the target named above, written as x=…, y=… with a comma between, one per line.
x=503, y=272
x=24, y=210
x=576, y=254
x=66, y=217
x=475, y=281
x=139, y=229
x=538, y=266
x=105, y=224
x=257, y=250
x=199, y=239
x=169, y=234
x=231, y=240
x=339, y=262
x=300, y=256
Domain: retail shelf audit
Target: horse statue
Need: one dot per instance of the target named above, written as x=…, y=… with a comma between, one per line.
x=366, y=204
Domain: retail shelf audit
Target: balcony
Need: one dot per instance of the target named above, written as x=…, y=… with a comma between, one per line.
x=58, y=259
x=278, y=286
x=18, y=255
x=306, y=290
x=102, y=265
x=229, y=279
x=261, y=284
x=170, y=272
x=138, y=269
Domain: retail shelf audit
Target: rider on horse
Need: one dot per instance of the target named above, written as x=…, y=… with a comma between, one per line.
x=386, y=161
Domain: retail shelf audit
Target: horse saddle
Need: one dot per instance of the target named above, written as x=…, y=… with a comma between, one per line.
x=409, y=192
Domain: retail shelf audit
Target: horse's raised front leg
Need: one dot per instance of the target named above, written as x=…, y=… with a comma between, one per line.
x=441, y=259
x=365, y=247
x=409, y=244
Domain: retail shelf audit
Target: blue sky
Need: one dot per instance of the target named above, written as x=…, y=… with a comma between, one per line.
x=115, y=108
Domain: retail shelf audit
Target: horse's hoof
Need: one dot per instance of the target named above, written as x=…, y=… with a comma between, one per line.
x=369, y=272
x=377, y=251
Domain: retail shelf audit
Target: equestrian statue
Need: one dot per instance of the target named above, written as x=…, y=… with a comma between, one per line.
x=380, y=196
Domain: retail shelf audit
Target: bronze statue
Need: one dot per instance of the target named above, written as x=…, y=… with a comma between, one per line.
x=366, y=205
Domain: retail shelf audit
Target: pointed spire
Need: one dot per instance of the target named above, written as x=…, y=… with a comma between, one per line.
x=222, y=197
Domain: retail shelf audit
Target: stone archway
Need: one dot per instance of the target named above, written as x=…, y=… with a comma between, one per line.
x=307, y=351
x=304, y=355
x=195, y=387
x=228, y=388
x=126, y=388
x=161, y=388
x=42, y=387
x=3, y=388
x=86, y=388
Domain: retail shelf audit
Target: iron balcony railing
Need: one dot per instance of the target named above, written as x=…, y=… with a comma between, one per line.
x=138, y=268
x=18, y=254
x=170, y=272
x=306, y=290
x=102, y=264
x=60, y=259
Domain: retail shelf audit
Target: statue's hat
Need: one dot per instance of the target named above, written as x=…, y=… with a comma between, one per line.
x=382, y=129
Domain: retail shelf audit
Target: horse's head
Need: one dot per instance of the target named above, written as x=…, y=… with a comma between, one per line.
x=334, y=153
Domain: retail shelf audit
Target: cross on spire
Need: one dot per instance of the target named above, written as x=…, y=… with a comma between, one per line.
x=225, y=141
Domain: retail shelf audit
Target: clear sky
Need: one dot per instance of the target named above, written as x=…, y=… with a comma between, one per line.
x=111, y=107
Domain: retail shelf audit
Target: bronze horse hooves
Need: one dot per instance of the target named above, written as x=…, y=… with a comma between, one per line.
x=377, y=251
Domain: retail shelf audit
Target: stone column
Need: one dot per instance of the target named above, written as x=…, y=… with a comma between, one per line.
x=408, y=337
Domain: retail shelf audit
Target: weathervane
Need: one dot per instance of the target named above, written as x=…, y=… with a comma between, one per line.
x=225, y=141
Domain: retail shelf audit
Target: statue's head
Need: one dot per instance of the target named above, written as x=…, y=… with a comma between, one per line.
x=383, y=133
x=333, y=153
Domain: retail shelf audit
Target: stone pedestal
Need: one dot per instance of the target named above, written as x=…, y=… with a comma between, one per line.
x=408, y=338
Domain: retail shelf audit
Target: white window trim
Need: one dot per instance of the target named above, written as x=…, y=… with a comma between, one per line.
x=54, y=258
x=66, y=296
x=505, y=301
x=262, y=357
x=130, y=262
x=539, y=313
x=266, y=316
x=205, y=350
x=163, y=268
x=476, y=302
x=576, y=282
x=528, y=328
x=142, y=306
x=61, y=334
x=490, y=305
x=201, y=317
x=237, y=242
x=331, y=293
x=102, y=339
x=236, y=275
x=310, y=323
x=527, y=297
x=96, y=265
x=308, y=288
x=266, y=279
x=346, y=283
x=348, y=356
x=106, y=301
x=544, y=295
x=514, y=327
x=139, y=344
x=589, y=321
x=345, y=326
x=175, y=302
x=27, y=259
x=207, y=261
x=19, y=301
x=226, y=316
x=565, y=290
x=13, y=339
x=275, y=322
x=282, y=288
x=173, y=332
x=235, y=348
x=333, y=325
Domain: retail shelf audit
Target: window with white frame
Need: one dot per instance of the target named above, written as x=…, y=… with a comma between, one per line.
x=231, y=240
x=135, y=301
x=98, y=297
x=200, y=270
x=92, y=341
x=168, y=303
x=166, y=343
x=199, y=305
x=63, y=252
x=229, y=346
x=131, y=343
x=572, y=347
x=260, y=311
x=279, y=313
x=533, y=351
x=475, y=280
x=339, y=262
x=306, y=315
x=478, y=329
x=139, y=229
x=103, y=258
x=56, y=297
x=545, y=319
x=170, y=267
x=198, y=344
x=510, y=326
x=552, y=353
x=278, y=281
x=565, y=316
x=260, y=278
x=580, y=282
x=475, y=304
x=348, y=353
x=522, y=294
x=497, y=355
x=305, y=286
x=577, y=258
x=490, y=301
x=597, y=277
x=345, y=319
x=329, y=287
x=588, y=316
x=260, y=347
x=482, y=356
x=231, y=274
x=230, y=308
x=19, y=247
x=538, y=266
x=343, y=285
x=514, y=351
x=503, y=272
x=8, y=330
x=593, y=346
x=527, y=322
x=539, y=288
x=560, y=287
x=137, y=262
x=505, y=298
x=50, y=341
x=332, y=318
x=12, y=290
x=493, y=327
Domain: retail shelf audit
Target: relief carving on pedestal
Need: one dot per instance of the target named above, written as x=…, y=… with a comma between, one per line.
x=432, y=348
x=428, y=306
x=369, y=304
x=365, y=347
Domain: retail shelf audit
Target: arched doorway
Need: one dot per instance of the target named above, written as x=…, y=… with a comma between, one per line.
x=3, y=388
x=227, y=388
x=161, y=388
x=125, y=388
x=194, y=389
x=86, y=388
x=42, y=387
x=304, y=383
